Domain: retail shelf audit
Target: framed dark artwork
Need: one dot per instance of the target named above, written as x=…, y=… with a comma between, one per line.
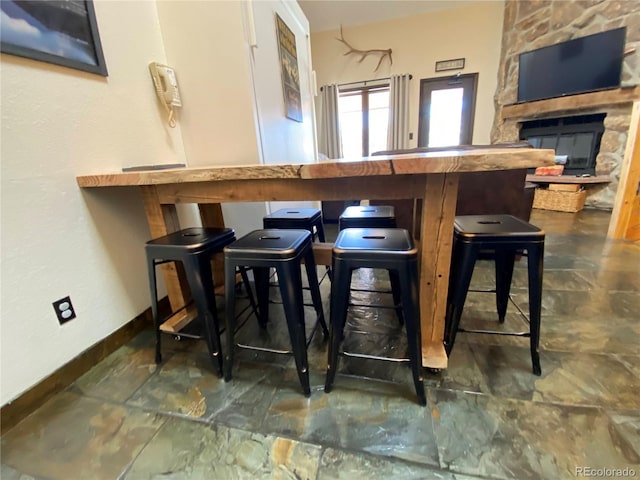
x=64, y=32
x=290, y=72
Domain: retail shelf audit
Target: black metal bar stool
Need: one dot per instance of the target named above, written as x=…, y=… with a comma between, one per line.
x=386, y=248
x=297, y=218
x=283, y=250
x=372, y=216
x=193, y=247
x=501, y=238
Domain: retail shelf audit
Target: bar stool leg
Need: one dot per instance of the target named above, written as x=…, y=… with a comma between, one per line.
x=230, y=316
x=261, y=276
x=292, y=302
x=340, y=290
x=247, y=286
x=320, y=231
x=535, y=260
x=465, y=258
x=396, y=292
x=198, y=271
x=151, y=269
x=504, y=261
x=410, y=302
x=312, y=278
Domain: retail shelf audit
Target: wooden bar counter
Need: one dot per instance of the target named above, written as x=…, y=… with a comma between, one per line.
x=431, y=176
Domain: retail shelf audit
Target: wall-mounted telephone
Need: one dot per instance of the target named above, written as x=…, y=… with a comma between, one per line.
x=164, y=80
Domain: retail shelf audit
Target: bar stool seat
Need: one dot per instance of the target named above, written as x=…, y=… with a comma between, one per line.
x=500, y=238
x=297, y=218
x=284, y=250
x=386, y=248
x=372, y=216
x=193, y=247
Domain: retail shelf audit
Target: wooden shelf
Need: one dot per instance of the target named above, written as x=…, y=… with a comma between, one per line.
x=542, y=108
x=567, y=179
x=182, y=318
x=178, y=321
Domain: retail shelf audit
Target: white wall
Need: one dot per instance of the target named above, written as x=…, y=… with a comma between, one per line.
x=278, y=131
x=205, y=43
x=215, y=67
x=58, y=240
x=212, y=66
x=473, y=32
x=282, y=139
x=57, y=123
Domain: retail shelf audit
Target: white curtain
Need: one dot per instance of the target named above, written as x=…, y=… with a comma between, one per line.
x=398, y=134
x=330, y=141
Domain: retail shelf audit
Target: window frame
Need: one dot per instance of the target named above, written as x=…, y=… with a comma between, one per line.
x=364, y=91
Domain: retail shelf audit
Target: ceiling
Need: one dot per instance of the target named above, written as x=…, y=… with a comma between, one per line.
x=330, y=14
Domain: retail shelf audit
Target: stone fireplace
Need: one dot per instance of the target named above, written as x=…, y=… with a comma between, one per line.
x=537, y=23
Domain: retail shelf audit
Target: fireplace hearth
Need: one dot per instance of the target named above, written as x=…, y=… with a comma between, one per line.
x=575, y=139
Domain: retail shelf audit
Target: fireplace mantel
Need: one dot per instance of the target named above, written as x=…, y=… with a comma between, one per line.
x=569, y=104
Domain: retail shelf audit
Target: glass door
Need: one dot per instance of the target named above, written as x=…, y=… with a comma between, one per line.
x=447, y=107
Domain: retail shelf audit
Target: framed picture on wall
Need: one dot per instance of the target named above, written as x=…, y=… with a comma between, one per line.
x=290, y=72
x=64, y=32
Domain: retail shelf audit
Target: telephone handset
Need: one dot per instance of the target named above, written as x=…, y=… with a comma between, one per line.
x=164, y=79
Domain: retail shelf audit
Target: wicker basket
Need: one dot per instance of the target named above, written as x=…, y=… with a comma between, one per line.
x=559, y=201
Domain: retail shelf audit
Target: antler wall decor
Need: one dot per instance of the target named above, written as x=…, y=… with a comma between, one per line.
x=365, y=53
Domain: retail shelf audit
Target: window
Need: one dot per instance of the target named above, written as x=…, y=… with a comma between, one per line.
x=447, y=107
x=364, y=117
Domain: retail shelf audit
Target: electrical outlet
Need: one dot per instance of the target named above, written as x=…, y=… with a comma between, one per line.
x=64, y=310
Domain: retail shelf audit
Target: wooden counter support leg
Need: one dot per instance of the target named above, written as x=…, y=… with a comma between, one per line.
x=625, y=217
x=211, y=216
x=438, y=214
x=163, y=219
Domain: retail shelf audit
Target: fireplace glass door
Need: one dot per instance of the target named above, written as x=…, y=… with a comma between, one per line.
x=576, y=140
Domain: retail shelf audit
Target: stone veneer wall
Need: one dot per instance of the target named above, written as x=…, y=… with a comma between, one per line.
x=531, y=24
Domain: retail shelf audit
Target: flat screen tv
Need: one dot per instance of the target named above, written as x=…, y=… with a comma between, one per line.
x=581, y=65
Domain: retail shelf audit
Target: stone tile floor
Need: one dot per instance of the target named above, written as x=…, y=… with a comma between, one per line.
x=487, y=415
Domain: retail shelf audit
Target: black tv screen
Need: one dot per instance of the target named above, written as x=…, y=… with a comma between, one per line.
x=580, y=65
